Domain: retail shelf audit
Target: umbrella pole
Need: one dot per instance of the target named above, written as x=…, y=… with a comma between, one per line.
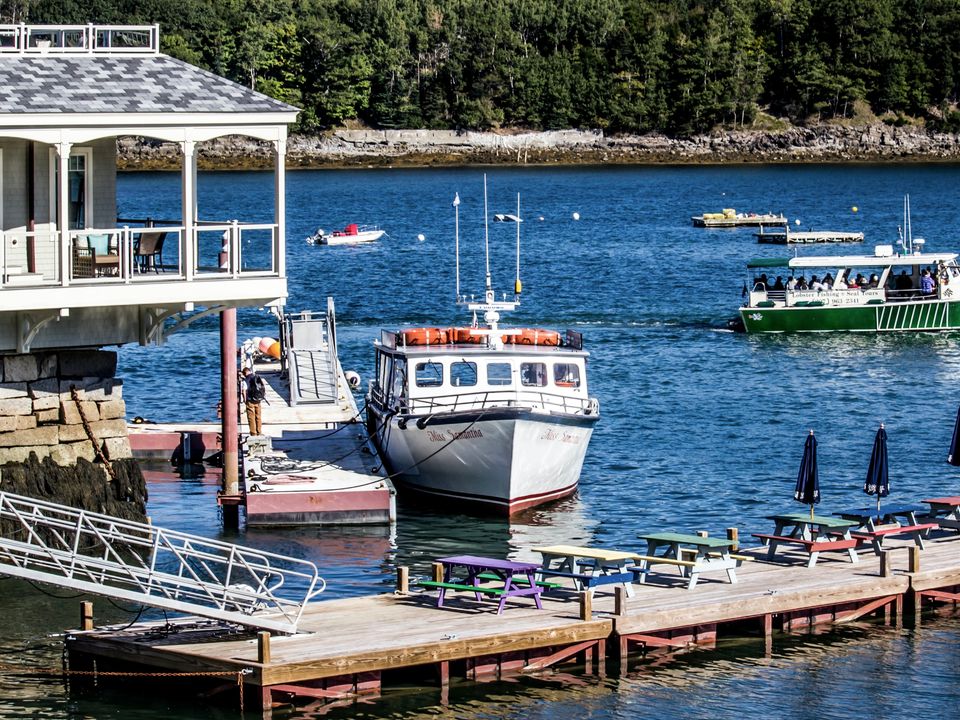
x=811, y=512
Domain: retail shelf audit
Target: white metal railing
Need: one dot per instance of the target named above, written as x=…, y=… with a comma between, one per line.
x=104, y=555
x=231, y=250
x=492, y=399
x=80, y=39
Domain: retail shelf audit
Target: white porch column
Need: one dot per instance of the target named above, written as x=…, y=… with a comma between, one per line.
x=280, y=204
x=188, y=212
x=63, y=210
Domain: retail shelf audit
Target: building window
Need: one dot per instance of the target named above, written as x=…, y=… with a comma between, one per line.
x=79, y=200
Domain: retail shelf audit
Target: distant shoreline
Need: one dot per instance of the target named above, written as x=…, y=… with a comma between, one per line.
x=425, y=148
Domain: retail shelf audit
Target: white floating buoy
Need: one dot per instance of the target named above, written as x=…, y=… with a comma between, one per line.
x=797, y=221
x=353, y=379
x=576, y=216
x=420, y=237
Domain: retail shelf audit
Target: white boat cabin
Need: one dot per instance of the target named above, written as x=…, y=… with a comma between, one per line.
x=426, y=379
x=851, y=280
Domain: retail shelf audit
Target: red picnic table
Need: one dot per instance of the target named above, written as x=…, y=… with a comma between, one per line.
x=944, y=511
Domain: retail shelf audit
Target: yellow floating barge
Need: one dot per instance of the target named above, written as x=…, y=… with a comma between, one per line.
x=731, y=218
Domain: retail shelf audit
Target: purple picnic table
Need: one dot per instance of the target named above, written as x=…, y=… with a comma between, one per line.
x=504, y=569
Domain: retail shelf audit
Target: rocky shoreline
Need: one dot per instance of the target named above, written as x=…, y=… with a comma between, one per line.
x=402, y=148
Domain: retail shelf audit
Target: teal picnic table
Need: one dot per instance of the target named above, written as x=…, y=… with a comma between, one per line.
x=814, y=534
x=693, y=554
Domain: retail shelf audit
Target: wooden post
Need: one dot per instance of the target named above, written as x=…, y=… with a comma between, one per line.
x=229, y=405
x=886, y=567
x=86, y=615
x=620, y=601
x=437, y=572
x=734, y=535
x=263, y=647
x=403, y=579
x=586, y=605
x=914, y=560
x=703, y=533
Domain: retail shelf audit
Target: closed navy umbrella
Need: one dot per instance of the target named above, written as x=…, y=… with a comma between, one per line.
x=808, y=479
x=954, y=457
x=878, y=475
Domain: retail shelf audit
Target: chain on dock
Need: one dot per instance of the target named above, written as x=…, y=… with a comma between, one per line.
x=64, y=672
x=93, y=438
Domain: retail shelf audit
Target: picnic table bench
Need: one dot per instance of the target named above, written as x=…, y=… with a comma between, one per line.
x=588, y=567
x=693, y=554
x=874, y=528
x=815, y=535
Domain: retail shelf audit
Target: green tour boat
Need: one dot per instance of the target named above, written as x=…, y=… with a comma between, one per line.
x=886, y=291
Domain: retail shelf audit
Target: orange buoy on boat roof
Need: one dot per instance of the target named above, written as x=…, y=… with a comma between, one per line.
x=424, y=336
x=463, y=335
x=536, y=336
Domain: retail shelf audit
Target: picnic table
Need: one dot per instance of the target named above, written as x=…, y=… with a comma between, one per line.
x=815, y=535
x=587, y=567
x=874, y=527
x=511, y=579
x=945, y=511
x=692, y=554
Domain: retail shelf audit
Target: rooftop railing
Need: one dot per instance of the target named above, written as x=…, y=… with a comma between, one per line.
x=80, y=39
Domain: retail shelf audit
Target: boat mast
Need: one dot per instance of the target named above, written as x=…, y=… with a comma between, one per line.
x=456, y=237
x=486, y=237
x=517, y=286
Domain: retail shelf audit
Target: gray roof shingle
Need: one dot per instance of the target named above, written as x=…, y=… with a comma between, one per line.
x=111, y=84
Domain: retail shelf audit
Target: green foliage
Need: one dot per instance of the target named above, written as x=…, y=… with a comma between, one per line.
x=678, y=66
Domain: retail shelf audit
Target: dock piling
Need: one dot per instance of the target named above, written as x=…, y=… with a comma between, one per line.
x=403, y=580
x=620, y=601
x=437, y=572
x=263, y=647
x=733, y=534
x=913, y=563
x=586, y=605
x=86, y=615
x=886, y=567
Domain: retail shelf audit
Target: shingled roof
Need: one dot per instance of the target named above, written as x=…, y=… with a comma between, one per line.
x=112, y=84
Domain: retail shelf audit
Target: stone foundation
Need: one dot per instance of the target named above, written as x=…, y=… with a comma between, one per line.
x=50, y=405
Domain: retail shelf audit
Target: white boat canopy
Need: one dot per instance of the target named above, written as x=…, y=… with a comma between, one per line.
x=820, y=261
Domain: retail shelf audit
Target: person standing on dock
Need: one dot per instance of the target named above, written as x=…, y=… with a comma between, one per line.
x=252, y=393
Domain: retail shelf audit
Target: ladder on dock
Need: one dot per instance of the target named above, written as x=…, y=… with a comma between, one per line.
x=137, y=562
x=311, y=347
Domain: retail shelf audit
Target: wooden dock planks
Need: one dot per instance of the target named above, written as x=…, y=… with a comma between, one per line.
x=353, y=636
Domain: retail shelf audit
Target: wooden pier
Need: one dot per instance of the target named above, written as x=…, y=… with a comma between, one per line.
x=356, y=646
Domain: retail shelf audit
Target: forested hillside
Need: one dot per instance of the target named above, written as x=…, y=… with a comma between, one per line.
x=633, y=66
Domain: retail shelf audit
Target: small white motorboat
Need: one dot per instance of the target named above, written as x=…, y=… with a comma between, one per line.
x=352, y=234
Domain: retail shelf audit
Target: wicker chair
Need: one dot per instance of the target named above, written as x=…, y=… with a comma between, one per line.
x=148, y=252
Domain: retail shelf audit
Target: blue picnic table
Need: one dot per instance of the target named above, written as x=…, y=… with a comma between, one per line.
x=871, y=523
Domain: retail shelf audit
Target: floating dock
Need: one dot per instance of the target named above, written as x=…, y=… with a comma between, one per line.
x=811, y=236
x=731, y=218
x=357, y=646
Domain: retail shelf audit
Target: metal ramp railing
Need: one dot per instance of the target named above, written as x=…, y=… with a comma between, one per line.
x=132, y=561
x=311, y=347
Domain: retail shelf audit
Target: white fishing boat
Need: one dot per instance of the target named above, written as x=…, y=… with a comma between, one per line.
x=352, y=234
x=493, y=418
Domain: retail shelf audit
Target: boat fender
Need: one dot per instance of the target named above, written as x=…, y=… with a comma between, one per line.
x=402, y=423
x=352, y=378
x=422, y=422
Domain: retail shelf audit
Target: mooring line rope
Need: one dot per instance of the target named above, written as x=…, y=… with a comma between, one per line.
x=75, y=395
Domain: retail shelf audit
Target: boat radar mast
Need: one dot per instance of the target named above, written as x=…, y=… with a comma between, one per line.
x=490, y=306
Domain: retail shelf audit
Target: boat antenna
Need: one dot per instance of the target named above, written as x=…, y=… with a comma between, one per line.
x=518, y=286
x=486, y=232
x=456, y=236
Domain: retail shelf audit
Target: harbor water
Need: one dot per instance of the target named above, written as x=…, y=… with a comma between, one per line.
x=701, y=428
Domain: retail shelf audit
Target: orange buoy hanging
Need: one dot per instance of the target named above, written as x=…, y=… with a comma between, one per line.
x=424, y=336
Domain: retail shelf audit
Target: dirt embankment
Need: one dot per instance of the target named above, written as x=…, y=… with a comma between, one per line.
x=363, y=148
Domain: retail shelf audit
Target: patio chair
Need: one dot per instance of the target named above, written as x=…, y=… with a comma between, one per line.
x=148, y=252
x=95, y=256
x=82, y=261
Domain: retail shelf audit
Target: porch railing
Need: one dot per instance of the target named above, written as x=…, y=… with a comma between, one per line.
x=212, y=250
x=80, y=39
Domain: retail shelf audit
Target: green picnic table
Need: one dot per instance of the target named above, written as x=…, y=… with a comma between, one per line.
x=693, y=554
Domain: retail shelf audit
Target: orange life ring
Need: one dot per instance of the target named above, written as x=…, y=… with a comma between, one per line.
x=464, y=336
x=537, y=336
x=424, y=336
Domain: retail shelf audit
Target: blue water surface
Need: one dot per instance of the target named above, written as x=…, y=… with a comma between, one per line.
x=701, y=428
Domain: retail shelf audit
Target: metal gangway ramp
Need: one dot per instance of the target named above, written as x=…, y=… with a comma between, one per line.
x=137, y=562
x=312, y=363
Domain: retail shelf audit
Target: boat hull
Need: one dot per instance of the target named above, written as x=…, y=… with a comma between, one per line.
x=498, y=462
x=923, y=315
x=359, y=238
